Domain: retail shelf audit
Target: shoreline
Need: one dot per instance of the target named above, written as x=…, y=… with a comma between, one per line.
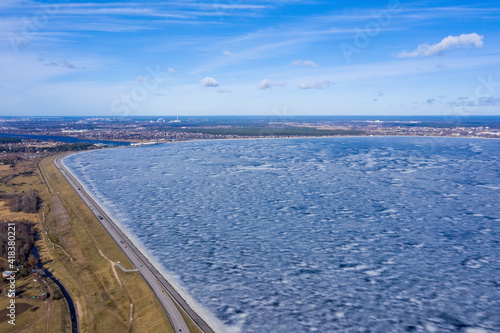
x=150, y=270
x=136, y=141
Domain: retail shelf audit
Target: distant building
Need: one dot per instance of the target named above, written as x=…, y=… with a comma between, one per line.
x=74, y=131
x=8, y=274
x=138, y=144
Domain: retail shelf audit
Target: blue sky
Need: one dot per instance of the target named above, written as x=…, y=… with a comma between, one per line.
x=235, y=57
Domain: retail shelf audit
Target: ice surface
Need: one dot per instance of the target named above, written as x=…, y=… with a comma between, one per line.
x=327, y=235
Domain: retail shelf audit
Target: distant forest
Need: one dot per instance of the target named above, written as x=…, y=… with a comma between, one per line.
x=60, y=148
x=9, y=140
x=11, y=153
x=269, y=131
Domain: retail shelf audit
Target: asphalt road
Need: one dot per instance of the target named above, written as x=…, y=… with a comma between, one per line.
x=162, y=289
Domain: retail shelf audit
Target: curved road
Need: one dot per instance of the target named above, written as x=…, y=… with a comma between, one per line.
x=162, y=289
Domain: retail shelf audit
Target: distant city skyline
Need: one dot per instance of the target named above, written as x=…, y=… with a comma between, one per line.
x=279, y=58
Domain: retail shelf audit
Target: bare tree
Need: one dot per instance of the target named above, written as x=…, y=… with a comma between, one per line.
x=28, y=202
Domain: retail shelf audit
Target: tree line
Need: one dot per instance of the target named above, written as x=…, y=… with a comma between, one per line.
x=58, y=148
x=269, y=131
x=9, y=140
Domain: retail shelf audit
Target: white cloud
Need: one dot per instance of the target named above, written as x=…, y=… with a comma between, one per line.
x=317, y=85
x=209, y=82
x=224, y=91
x=448, y=43
x=226, y=53
x=267, y=84
x=307, y=63
x=171, y=70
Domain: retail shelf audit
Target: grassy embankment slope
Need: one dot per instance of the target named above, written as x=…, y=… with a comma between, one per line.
x=81, y=255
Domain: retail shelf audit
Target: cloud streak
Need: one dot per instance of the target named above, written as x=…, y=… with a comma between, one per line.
x=316, y=85
x=306, y=63
x=61, y=63
x=475, y=102
x=448, y=43
x=268, y=84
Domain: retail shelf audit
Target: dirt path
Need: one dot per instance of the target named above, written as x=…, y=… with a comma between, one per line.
x=113, y=268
